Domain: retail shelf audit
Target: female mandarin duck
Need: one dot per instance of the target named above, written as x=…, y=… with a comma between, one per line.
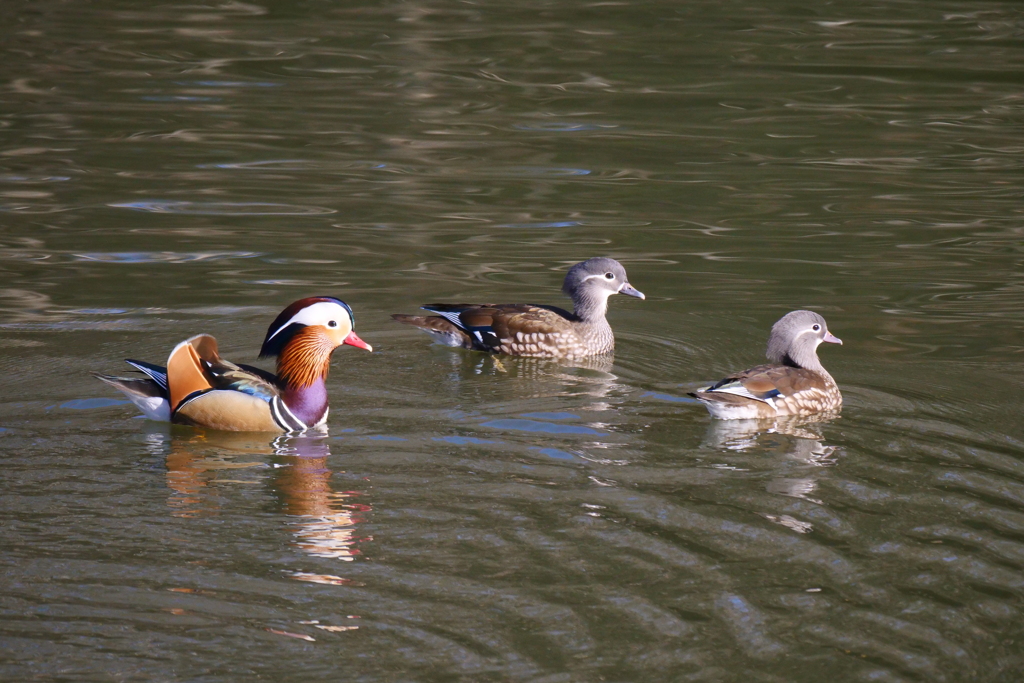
x=795, y=383
x=535, y=330
x=200, y=388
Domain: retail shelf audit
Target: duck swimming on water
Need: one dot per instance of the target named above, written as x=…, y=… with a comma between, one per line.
x=794, y=383
x=536, y=330
x=198, y=387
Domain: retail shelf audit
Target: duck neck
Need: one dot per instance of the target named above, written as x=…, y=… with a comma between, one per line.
x=590, y=307
x=302, y=369
x=804, y=356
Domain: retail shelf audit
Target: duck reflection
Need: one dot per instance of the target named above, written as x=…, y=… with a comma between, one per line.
x=585, y=376
x=196, y=459
x=798, y=440
x=323, y=520
x=585, y=384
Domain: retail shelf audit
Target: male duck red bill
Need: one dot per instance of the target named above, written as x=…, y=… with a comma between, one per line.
x=200, y=388
x=794, y=383
x=535, y=330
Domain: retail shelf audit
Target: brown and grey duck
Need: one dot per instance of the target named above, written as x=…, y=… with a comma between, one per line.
x=532, y=329
x=794, y=383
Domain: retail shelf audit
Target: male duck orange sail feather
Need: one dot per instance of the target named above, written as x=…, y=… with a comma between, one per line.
x=795, y=383
x=535, y=330
x=200, y=388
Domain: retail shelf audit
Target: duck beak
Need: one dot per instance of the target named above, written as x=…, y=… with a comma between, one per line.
x=353, y=340
x=832, y=339
x=629, y=290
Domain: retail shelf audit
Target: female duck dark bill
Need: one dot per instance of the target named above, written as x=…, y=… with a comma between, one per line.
x=794, y=383
x=200, y=388
x=532, y=329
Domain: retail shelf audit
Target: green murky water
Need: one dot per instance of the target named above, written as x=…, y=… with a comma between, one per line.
x=169, y=169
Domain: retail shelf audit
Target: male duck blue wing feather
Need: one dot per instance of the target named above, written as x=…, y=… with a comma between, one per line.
x=226, y=376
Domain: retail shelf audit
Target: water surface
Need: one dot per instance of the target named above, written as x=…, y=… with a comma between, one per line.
x=173, y=169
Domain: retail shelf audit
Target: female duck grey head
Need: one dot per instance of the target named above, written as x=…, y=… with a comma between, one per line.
x=795, y=337
x=599, y=274
x=590, y=283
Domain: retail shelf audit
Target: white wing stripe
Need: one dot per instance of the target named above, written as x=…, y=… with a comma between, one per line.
x=158, y=377
x=740, y=390
x=452, y=317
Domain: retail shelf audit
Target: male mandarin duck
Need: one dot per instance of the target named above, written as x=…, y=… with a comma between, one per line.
x=200, y=388
x=794, y=383
x=536, y=330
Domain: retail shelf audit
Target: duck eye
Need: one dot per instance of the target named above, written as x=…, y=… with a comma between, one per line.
x=334, y=323
x=816, y=328
x=609, y=276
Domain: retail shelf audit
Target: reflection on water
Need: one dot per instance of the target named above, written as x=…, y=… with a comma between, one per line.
x=789, y=441
x=323, y=520
x=531, y=377
x=501, y=382
x=804, y=444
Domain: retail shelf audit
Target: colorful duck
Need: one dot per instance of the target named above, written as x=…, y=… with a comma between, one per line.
x=200, y=388
x=795, y=383
x=536, y=330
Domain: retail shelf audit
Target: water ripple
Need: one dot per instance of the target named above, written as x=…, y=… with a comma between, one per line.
x=564, y=127
x=540, y=427
x=163, y=256
x=223, y=208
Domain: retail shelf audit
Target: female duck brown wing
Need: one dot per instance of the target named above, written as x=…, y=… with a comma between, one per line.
x=515, y=328
x=490, y=327
x=768, y=391
x=765, y=382
x=769, y=382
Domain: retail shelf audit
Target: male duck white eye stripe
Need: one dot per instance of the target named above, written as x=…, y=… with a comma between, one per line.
x=316, y=314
